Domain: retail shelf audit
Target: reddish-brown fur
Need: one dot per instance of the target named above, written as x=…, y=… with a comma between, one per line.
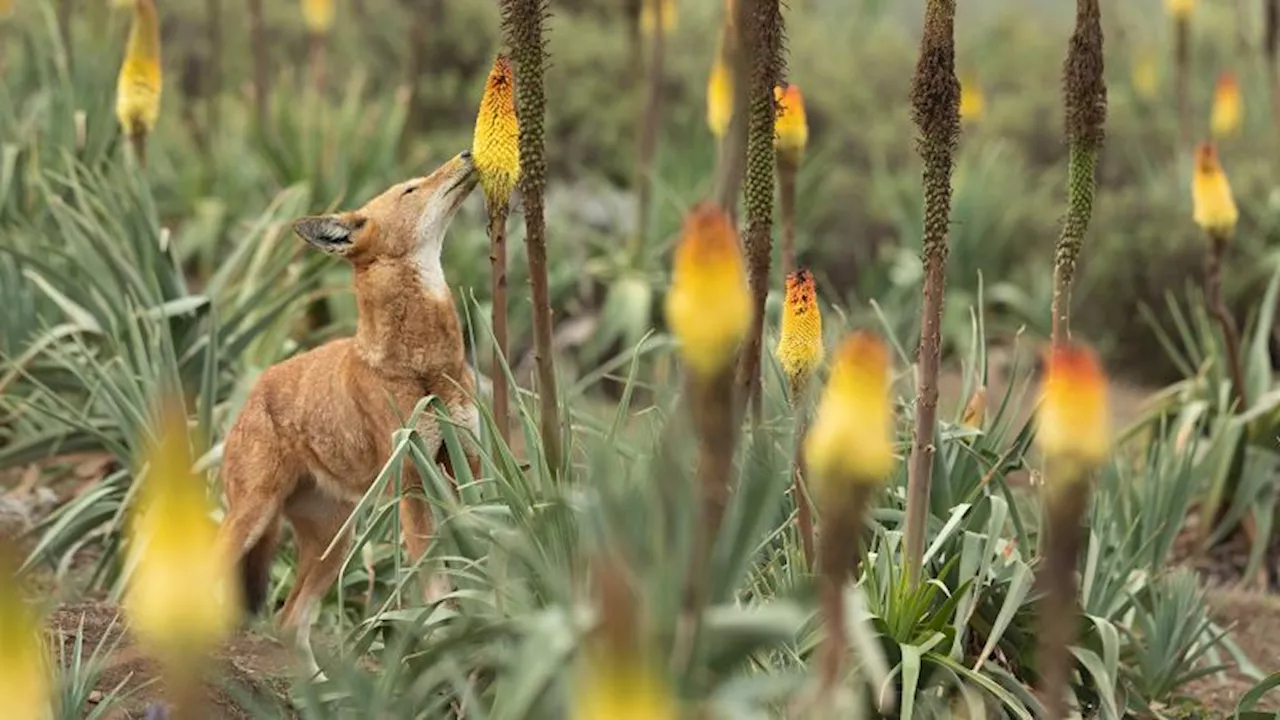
x=316, y=429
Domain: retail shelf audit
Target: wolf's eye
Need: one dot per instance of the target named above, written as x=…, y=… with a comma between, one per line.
x=408, y=190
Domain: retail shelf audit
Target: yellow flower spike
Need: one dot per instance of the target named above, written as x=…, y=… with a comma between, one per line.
x=1228, y=106
x=973, y=103
x=851, y=441
x=665, y=12
x=24, y=663
x=791, y=128
x=719, y=94
x=1180, y=9
x=622, y=689
x=1074, y=423
x=495, y=147
x=139, y=84
x=800, y=348
x=6, y=9
x=318, y=16
x=1145, y=74
x=708, y=306
x=182, y=599
x=1213, y=207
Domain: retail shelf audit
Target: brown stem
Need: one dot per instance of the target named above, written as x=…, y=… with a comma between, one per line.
x=1270, y=50
x=1182, y=70
x=1059, y=613
x=800, y=491
x=316, y=46
x=139, y=142
x=498, y=261
x=712, y=408
x=536, y=248
x=732, y=152
x=261, y=71
x=648, y=142
x=920, y=467
x=213, y=84
x=838, y=557
x=1231, y=336
x=787, y=209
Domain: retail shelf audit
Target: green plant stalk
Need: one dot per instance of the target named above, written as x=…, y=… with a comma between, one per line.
x=213, y=86
x=1230, y=334
x=838, y=555
x=522, y=20
x=648, y=142
x=64, y=28
x=138, y=141
x=261, y=72
x=1182, y=73
x=787, y=170
x=765, y=36
x=712, y=409
x=935, y=99
x=1085, y=101
x=799, y=491
x=1066, y=502
x=1271, y=52
x=732, y=151
x=498, y=212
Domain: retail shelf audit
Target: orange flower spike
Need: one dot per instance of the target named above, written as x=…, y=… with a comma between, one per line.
x=708, y=306
x=1213, y=206
x=800, y=350
x=140, y=82
x=318, y=16
x=1074, y=420
x=791, y=128
x=851, y=441
x=1228, y=107
x=495, y=146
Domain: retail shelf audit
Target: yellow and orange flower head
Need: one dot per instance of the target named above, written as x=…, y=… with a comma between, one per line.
x=1074, y=422
x=851, y=441
x=1228, y=107
x=719, y=94
x=791, y=130
x=318, y=16
x=139, y=84
x=973, y=103
x=1213, y=206
x=24, y=663
x=800, y=348
x=1180, y=9
x=495, y=147
x=182, y=599
x=709, y=306
x=6, y=9
x=657, y=13
x=1145, y=74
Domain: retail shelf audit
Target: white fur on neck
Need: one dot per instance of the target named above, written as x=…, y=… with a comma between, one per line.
x=432, y=224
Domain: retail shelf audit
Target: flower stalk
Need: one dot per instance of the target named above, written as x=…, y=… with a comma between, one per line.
x=935, y=101
x=213, y=86
x=1181, y=11
x=139, y=84
x=1085, y=98
x=522, y=21
x=799, y=352
x=789, y=144
x=1073, y=435
x=850, y=452
x=496, y=150
x=764, y=32
x=1214, y=210
x=318, y=16
x=727, y=103
x=261, y=69
x=654, y=30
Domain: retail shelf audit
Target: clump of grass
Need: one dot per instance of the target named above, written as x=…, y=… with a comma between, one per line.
x=1085, y=96
x=1073, y=436
x=523, y=21
x=935, y=103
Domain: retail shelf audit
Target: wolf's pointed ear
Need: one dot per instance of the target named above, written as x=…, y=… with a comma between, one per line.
x=330, y=233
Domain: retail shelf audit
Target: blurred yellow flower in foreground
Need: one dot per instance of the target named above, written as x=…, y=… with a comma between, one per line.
x=1228, y=107
x=663, y=10
x=1213, y=207
x=622, y=689
x=24, y=665
x=791, y=132
x=719, y=94
x=1074, y=424
x=708, y=306
x=318, y=16
x=851, y=441
x=139, y=84
x=182, y=599
x=800, y=348
x=1145, y=74
x=972, y=101
x=495, y=147
x=6, y=9
x=1180, y=9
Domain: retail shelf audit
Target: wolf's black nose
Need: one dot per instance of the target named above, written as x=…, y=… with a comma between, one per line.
x=466, y=155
